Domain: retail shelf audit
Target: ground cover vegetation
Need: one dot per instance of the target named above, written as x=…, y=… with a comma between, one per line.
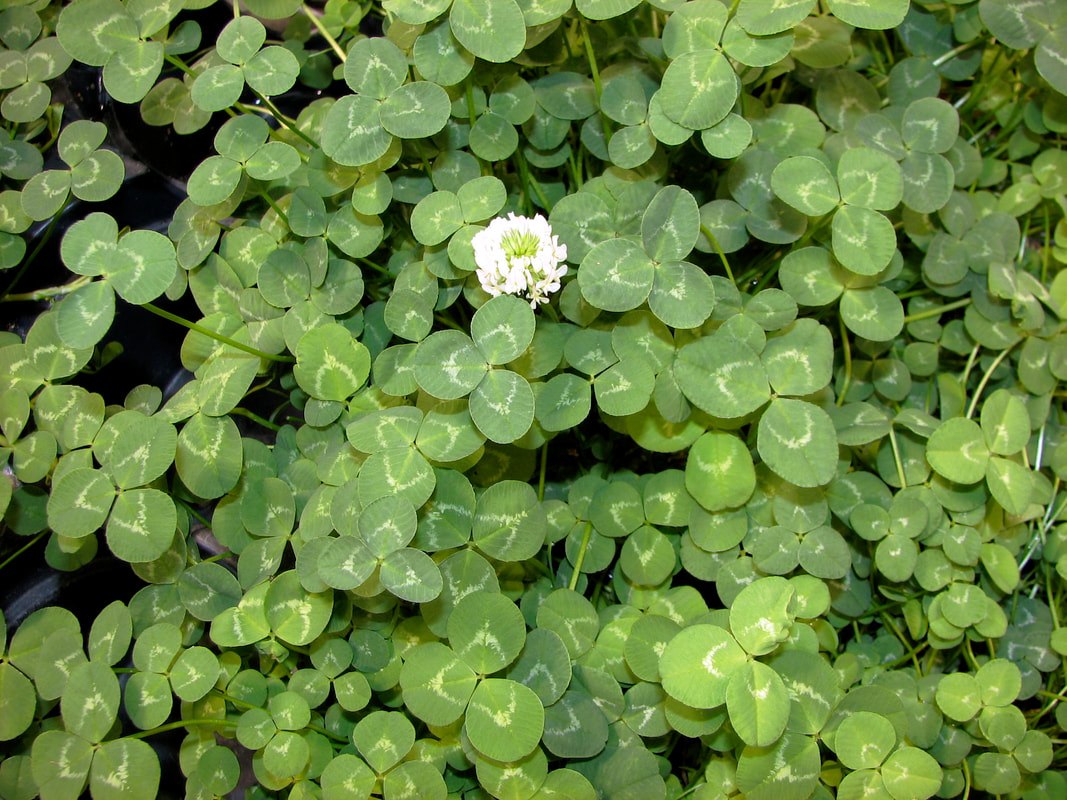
x=595, y=399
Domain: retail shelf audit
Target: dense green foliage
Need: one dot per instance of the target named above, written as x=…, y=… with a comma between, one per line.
x=766, y=501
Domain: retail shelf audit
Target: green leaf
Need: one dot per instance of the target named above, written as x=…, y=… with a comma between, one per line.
x=383, y=738
x=18, y=702
x=509, y=522
x=436, y=684
x=487, y=631
x=806, y=184
x=143, y=267
x=912, y=773
x=241, y=39
x=682, y=295
x=296, y=616
x=699, y=89
x=722, y=376
x=796, y=439
x=141, y=525
x=60, y=764
x=800, y=361
x=346, y=777
x=436, y=217
x=491, y=29
x=1005, y=423
x=1048, y=58
x=869, y=179
x=957, y=451
x=616, y=275
x=572, y=617
x=125, y=769
x=503, y=328
x=217, y=88
x=86, y=314
x=90, y=30
x=758, y=704
x=930, y=125
x=411, y=575
x=698, y=663
x=416, y=110
x=788, y=770
x=863, y=240
x=209, y=455
x=758, y=20
x=719, y=473
x=502, y=406
x=871, y=14
x=376, y=66
x=132, y=70
x=352, y=134
x=98, y=177
x=272, y=71
x=762, y=614
x=140, y=449
x=90, y=703
x=330, y=363
x=504, y=720
x=670, y=225
x=874, y=313
x=80, y=502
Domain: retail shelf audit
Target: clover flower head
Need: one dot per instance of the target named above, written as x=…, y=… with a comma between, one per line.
x=519, y=255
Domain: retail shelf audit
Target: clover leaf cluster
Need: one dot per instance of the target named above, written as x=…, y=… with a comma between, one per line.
x=766, y=501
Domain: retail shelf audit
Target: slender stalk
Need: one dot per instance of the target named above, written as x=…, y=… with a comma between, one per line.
x=274, y=207
x=543, y=471
x=283, y=119
x=256, y=418
x=45, y=238
x=23, y=549
x=46, y=294
x=985, y=378
x=896, y=459
x=182, y=723
x=937, y=311
x=218, y=337
x=846, y=347
x=718, y=250
x=325, y=34
x=944, y=58
x=586, y=534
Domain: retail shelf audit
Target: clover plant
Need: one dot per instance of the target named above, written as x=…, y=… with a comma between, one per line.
x=609, y=399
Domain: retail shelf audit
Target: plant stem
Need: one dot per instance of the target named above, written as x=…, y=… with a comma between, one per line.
x=933, y=312
x=45, y=237
x=283, y=119
x=45, y=294
x=896, y=459
x=955, y=51
x=586, y=534
x=988, y=374
x=266, y=423
x=22, y=549
x=325, y=34
x=182, y=723
x=218, y=337
x=544, y=468
x=846, y=348
x=718, y=250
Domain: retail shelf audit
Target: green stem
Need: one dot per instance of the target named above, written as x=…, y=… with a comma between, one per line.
x=955, y=51
x=218, y=337
x=266, y=423
x=325, y=34
x=912, y=651
x=182, y=723
x=45, y=294
x=45, y=237
x=544, y=469
x=22, y=549
x=530, y=181
x=896, y=459
x=283, y=119
x=846, y=348
x=988, y=374
x=971, y=359
x=933, y=312
x=718, y=250
x=274, y=207
x=586, y=534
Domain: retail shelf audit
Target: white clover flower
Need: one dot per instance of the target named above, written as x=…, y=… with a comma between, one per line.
x=519, y=255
